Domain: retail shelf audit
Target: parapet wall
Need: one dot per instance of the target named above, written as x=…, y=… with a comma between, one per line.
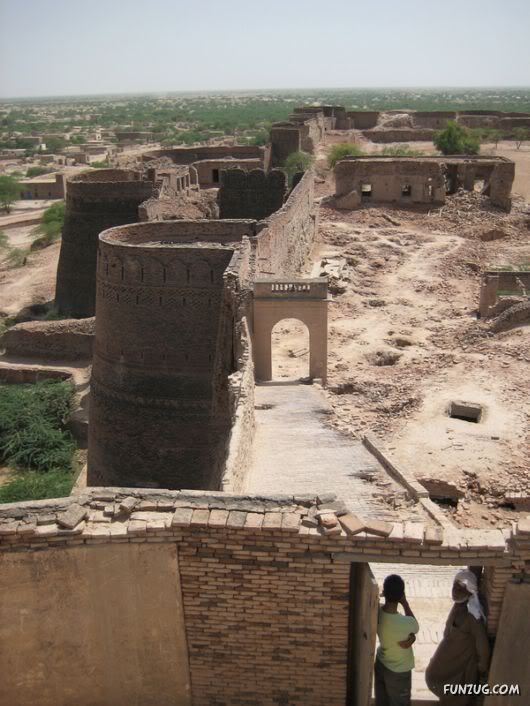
x=188, y=155
x=66, y=339
x=252, y=194
x=286, y=238
x=95, y=201
x=235, y=599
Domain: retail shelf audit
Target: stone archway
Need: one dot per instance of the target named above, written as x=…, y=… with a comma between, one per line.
x=303, y=299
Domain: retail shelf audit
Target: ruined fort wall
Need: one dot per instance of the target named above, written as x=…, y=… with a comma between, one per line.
x=209, y=170
x=363, y=120
x=433, y=120
x=388, y=178
x=252, y=194
x=399, y=135
x=160, y=301
x=282, y=246
x=95, y=201
x=248, y=568
x=285, y=139
x=66, y=339
x=188, y=155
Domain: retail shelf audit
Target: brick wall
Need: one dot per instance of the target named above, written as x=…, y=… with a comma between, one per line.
x=253, y=194
x=265, y=583
x=67, y=339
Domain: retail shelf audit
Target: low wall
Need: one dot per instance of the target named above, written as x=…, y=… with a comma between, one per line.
x=262, y=605
x=397, y=135
x=282, y=246
x=241, y=389
x=69, y=339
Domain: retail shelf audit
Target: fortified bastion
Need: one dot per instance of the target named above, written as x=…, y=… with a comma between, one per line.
x=95, y=200
x=163, y=353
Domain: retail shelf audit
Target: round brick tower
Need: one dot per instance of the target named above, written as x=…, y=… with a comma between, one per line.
x=155, y=418
x=95, y=200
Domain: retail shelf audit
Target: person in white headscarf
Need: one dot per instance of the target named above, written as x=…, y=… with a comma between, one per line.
x=463, y=655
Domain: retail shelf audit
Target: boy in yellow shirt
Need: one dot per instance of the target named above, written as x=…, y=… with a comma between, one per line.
x=395, y=658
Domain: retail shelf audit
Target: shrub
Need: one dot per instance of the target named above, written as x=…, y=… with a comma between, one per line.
x=456, y=139
x=102, y=164
x=32, y=433
x=344, y=149
x=9, y=192
x=17, y=257
x=298, y=162
x=401, y=151
x=49, y=229
x=37, y=171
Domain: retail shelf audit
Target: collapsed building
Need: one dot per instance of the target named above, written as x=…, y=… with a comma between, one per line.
x=421, y=180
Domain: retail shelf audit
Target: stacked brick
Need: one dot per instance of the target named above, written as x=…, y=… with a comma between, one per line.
x=265, y=580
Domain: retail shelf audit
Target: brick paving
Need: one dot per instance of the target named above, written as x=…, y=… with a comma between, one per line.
x=296, y=451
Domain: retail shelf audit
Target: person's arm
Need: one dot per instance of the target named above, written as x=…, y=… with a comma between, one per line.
x=411, y=639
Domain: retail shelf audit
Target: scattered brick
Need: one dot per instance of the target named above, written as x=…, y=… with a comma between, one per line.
x=351, y=523
x=72, y=516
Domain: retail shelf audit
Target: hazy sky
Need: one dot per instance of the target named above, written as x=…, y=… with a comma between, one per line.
x=65, y=47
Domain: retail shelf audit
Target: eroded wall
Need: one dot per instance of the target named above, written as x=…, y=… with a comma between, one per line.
x=93, y=626
x=253, y=194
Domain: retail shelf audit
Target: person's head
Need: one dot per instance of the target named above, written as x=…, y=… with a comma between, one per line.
x=459, y=592
x=393, y=588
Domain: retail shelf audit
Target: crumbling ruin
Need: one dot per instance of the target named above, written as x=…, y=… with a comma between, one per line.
x=420, y=180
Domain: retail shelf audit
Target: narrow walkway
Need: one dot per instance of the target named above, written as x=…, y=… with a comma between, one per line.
x=295, y=451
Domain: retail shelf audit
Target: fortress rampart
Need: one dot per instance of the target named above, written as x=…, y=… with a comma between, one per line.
x=252, y=194
x=95, y=201
x=160, y=309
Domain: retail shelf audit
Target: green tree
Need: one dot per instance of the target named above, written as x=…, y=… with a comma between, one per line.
x=520, y=134
x=297, y=162
x=102, y=164
x=54, y=144
x=9, y=192
x=36, y=171
x=343, y=149
x=456, y=139
x=49, y=229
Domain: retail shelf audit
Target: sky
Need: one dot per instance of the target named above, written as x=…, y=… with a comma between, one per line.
x=75, y=47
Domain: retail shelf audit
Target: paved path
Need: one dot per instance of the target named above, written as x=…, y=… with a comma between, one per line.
x=296, y=451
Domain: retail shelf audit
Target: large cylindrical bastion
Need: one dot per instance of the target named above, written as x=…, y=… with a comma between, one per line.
x=159, y=309
x=95, y=200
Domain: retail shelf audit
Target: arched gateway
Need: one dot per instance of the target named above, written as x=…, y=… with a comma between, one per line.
x=303, y=299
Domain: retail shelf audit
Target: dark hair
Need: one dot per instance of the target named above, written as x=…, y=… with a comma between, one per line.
x=393, y=588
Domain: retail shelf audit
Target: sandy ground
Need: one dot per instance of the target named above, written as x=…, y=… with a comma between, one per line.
x=404, y=342
x=33, y=283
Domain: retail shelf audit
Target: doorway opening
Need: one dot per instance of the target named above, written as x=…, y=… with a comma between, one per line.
x=428, y=591
x=290, y=350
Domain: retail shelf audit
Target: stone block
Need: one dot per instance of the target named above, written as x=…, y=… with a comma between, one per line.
x=218, y=518
x=396, y=535
x=339, y=507
x=523, y=526
x=236, y=519
x=351, y=523
x=46, y=530
x=200, y=517
x=135, y=527
x=328, y=520
x=378, y=527
x=48, y=519
x=413, y=532
x=128, y=504
x=324, y=498
x=182, y=517
x=433, y=535
x=8, y=528
x=254, y=521
x=72, y=516
x=272, y=520
x=290, y=522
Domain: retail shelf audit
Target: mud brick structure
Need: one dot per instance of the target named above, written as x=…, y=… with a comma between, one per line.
x=251, y=195
x=416, y=180
x=163, y=353
x=216, y=598
x=52, y=188
x=511, y=281
x=209, y=161
x=68, y=339
x=96, y=200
